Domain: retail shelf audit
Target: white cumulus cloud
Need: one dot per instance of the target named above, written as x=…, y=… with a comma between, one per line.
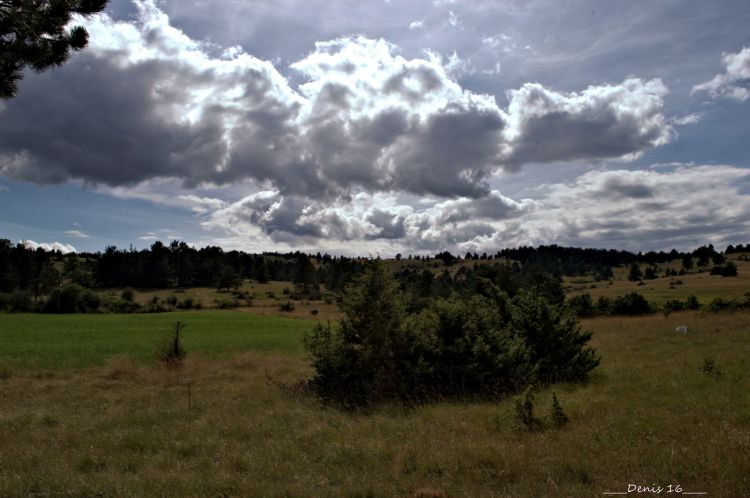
x=734, y=82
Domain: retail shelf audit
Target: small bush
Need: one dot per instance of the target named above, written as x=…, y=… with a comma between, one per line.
x=17, y=300
x=630, y=304
x=286, y=307
x=603, y=305
x=691, y=303
x=720, y=304
x=188, y=304
x=557, y=414
x=71, y=299
x=170, y=351
x=673, y=305
x=225, y=304
x=728, y=270
x=127, y=295
x=119, y=306
x=709, y=367
x=581, y=305
x=524, y=412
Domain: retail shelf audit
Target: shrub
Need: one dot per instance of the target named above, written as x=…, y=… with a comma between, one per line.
x=557, y=345
x=71, y=299
x=465, y=347
x=630, y=304
x=728, y=270
x=287, y=307
x=557, y=414
x=524, y=412
x=603, y=305
x=88, y=301
x=581, y=305
x=225, y=304
x=363, y=359
x=127, y=295
x=482, y=345
x=119, y=306
x=170, y=350
x=720, y=304
x=709, y=367
x=673, y=305
x=17, y=300
x=187, y=304
x=691, y=303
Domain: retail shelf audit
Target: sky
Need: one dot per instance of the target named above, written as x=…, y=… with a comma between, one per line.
x=378, y=127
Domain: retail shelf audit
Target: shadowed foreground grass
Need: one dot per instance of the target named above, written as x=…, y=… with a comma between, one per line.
x=648, y=416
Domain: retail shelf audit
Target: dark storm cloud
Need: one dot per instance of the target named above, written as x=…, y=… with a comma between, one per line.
x=621, y=187
x=492, y=207
x=101, y=124
x=145, y=101
x=390, y=225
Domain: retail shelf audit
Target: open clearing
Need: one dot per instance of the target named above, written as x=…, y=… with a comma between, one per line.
x=700, y=284
x=85, y=339
x=123, y=428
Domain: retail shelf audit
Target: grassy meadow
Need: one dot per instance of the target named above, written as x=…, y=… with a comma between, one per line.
x=94, y=416
x=79, y=340
x=266, y=299
x=701, y=284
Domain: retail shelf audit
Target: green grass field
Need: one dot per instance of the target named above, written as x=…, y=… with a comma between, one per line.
x=122, y=427
x=82, y=340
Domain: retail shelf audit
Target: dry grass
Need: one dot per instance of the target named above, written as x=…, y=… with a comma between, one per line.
x=649, y=415
x=266, y=299
x=704, y=286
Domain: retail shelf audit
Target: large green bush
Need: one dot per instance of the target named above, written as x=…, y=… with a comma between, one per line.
x=485, y=345
x=557, y=346
x=462, y=347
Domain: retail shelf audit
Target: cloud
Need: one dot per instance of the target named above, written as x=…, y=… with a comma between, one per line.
x=601, y=122
x=416, y=24
x=47, y=246
x=674, y=205
x=356, y=145
x=680, y=206
x=495, y=41
x=145, y=103
x=365, y=217
x=688, y=119
x=77, y=234
x=734, y=82
x=454, y=20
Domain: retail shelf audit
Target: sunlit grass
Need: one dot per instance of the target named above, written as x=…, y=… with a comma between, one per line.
x=85, y=339
x=701, y=284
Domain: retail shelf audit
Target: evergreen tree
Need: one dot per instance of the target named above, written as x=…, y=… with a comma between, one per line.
x=33, y=34
x=635, y=273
